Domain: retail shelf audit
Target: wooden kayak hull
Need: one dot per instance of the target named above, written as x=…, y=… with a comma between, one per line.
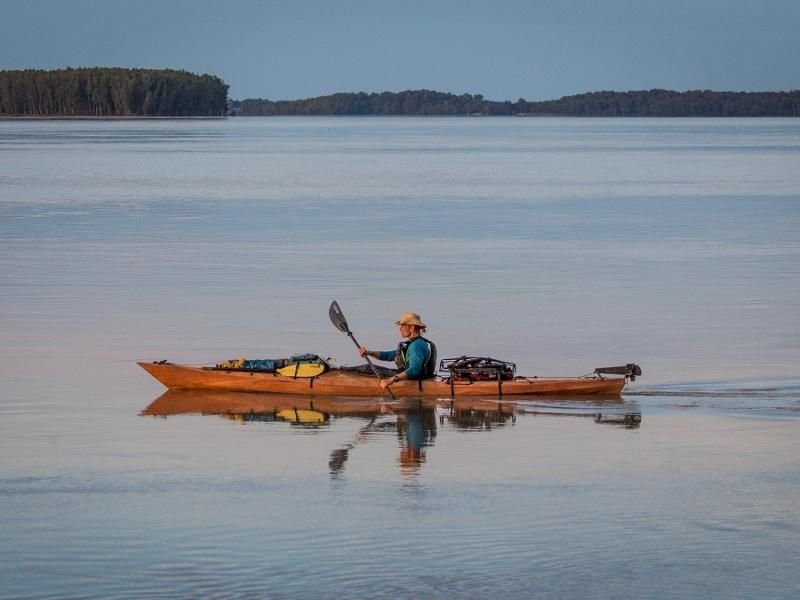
x=345, y=384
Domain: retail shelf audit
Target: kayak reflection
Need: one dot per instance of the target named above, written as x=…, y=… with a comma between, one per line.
x=414, y=421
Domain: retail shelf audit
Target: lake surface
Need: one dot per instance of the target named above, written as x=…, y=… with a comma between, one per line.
x=560, y=244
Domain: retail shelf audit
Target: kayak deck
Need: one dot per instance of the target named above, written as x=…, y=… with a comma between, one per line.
x=347, y=384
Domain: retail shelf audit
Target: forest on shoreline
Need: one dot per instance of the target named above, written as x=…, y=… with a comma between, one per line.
x=646, y=103
x=101, y=92
x=111, y=92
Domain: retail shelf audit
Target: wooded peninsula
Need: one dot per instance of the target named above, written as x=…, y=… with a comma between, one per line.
x=119, y=92
x=111, y=92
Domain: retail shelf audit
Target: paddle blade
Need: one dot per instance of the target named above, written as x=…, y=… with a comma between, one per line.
x=337, y=318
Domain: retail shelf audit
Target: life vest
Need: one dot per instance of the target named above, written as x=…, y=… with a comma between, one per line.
x=428, y=369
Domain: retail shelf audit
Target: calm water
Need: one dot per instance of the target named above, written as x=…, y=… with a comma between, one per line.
x=561, y=244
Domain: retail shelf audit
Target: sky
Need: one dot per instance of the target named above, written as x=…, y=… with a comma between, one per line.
x=503, y=49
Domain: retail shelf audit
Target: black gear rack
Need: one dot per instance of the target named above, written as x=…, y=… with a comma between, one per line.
x=477, y=368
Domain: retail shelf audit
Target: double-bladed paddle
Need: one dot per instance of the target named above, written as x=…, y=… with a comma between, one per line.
x=338, y=320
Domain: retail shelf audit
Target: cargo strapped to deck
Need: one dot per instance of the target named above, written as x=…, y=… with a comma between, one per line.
x=275, y=365
x=469, y=369
x=477, y=368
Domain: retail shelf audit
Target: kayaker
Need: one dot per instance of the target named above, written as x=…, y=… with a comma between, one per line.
x=415, y=357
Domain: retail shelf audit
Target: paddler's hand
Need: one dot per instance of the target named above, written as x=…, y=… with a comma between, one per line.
x=387, y=382
x=362, y=351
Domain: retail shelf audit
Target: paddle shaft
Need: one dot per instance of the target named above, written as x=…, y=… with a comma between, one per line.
x=338, y=320
x=369, y=362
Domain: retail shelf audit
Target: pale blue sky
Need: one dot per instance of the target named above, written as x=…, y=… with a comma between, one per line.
x=505, y=49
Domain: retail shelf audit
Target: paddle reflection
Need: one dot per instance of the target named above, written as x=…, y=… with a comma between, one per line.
x=415, y=422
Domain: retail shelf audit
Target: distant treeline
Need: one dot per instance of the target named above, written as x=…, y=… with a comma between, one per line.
x=416, y=102
x=666, y=103
x=117, y=92
x=111, y=92
x=649, y=103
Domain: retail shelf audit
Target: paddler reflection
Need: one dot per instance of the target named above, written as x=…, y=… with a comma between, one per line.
x=415, y=424
x=416, y=430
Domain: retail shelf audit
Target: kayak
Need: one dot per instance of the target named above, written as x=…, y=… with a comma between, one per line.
x=344, y=383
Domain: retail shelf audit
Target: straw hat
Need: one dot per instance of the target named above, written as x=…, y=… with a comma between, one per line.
x=410, y=318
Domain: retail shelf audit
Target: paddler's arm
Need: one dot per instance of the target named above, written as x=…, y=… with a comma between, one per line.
x=388, y=355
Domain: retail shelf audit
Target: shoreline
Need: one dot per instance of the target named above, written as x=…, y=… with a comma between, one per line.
x=443, y=116
x=104, y=118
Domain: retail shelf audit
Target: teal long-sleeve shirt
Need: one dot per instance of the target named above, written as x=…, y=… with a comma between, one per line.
x=417, y=355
